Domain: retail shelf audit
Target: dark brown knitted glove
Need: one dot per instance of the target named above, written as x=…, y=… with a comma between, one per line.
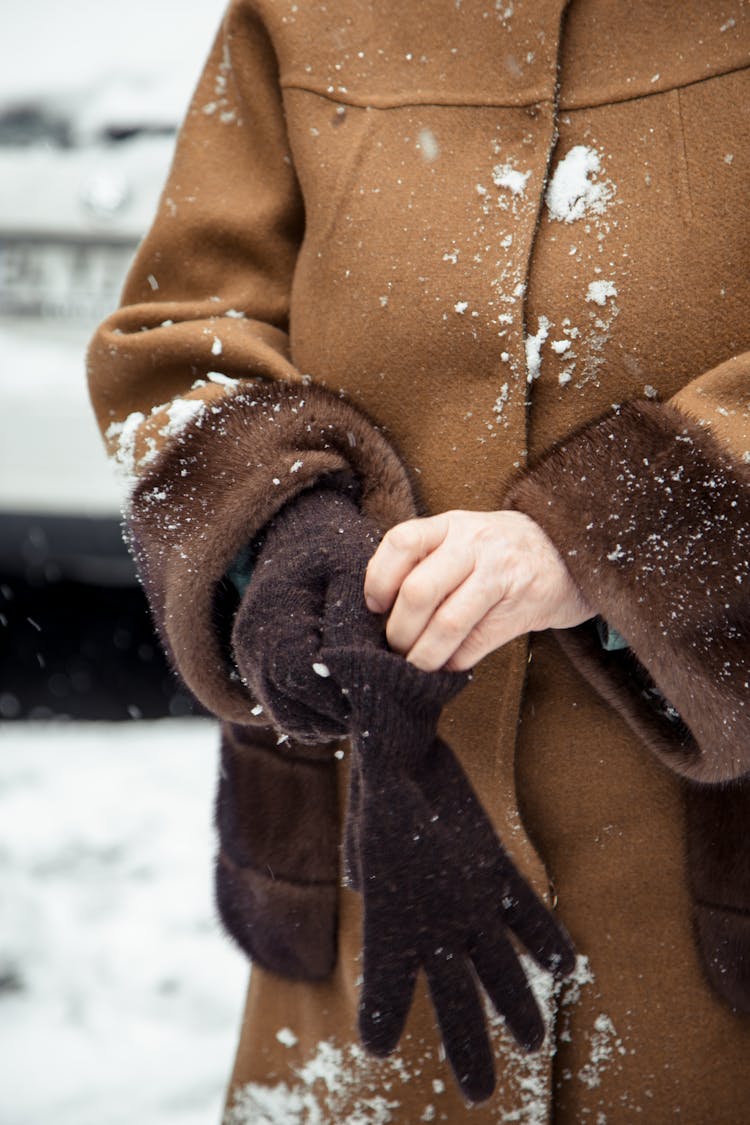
x=440, y=892
x=315, y=543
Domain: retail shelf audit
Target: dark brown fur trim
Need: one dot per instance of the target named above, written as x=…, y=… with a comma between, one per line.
x=277, y=871
x=277, y=811
x=723, y=938
x=718, y=854
x=626, y=685
x=717, y=822
x=289, y=929
x=213, y=488
x=653, y=521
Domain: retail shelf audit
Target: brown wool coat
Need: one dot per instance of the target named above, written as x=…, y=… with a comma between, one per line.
x=433, y=242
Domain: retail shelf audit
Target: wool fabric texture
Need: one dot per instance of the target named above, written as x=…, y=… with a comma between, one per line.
x=430, y=245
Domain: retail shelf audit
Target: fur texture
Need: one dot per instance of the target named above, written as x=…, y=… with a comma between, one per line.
x=216, y=485
x=718, y=859
x=276, y=894
x=653, y=521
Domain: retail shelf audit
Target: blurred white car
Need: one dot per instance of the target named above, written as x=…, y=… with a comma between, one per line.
x=61, y=271
x=87, y=128
x=72, y=210
x=86, y=136
x=77, y=637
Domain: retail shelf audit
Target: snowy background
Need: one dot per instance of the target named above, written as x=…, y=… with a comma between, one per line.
x=119, y=998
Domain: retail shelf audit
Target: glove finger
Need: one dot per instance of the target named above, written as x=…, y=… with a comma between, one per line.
x=390, y=974
x=352, y=856
x=507, y=986
x=535, y=925
x=462, y=1024
x=461, y=816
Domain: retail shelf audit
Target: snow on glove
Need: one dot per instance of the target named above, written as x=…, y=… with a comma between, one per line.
x=318, y=539
x=440, y=892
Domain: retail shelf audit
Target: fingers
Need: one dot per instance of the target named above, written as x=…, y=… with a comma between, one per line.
x=502, y=624
x=506, y=985
x=422, y=601
x=399, y=552
x=352, y=856
x=537, y=928
x=462, y=1023
x=464, y=583
x=454, y=627
x=390, y=975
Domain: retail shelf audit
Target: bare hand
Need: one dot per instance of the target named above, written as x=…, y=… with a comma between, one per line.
x=461, y=584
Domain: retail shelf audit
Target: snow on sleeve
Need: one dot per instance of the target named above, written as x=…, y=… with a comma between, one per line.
x=122, y=437
x=133, y=447
x=181, y=412
x=221, y=379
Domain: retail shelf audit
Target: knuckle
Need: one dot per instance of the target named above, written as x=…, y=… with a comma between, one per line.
x=416, y=592
x=450, y=622
x=488, y=583
x=427, y=658
x=402, y=536
x=394, y=637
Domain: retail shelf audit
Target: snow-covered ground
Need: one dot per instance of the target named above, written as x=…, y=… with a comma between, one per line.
x=119, y=997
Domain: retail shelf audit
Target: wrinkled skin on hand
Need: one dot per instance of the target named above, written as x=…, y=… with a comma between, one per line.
x=458, y=585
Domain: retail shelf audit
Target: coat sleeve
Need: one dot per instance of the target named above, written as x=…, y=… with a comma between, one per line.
x=192, y=380
x=650, y=509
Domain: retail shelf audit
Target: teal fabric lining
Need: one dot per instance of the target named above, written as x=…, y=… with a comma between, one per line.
x=611, y=640
x=241, y=570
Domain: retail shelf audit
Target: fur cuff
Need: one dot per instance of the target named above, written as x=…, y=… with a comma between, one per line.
x=217, y=484
x=288, y=928
x=277, y=871
x=717, y=820
x=653, y=521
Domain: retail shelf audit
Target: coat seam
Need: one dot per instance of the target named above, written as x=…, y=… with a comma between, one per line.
x=642, y=96
x=384, y=103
